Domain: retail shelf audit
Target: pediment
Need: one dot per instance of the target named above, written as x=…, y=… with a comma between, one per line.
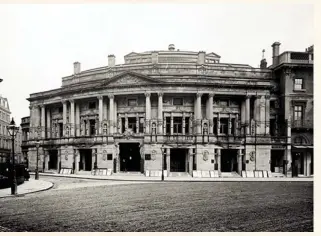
x=132, y=54
x=129, y=78
x=212, y=54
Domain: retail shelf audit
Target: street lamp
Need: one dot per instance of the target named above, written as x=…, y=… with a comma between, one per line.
x=37, y=170
x=162, y=149
x=13, y=130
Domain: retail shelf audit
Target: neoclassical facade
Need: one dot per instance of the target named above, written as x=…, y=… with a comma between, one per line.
x=175, y=110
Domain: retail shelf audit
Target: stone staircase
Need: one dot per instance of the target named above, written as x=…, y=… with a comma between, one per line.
x=179, y=174
x=230, y=175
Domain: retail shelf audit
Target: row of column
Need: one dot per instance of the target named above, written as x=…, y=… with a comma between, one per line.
x=260, y=115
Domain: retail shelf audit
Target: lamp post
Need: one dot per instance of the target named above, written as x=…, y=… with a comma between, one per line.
x=162, y=149
x=13, y=130
x=37, y=170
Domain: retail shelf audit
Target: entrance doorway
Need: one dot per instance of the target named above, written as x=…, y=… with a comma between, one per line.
x=178, y=159
x=85, y=159
x=297, y=163
x=277, y=161
x=129, y=157
x=53, y=160
x=228, y=160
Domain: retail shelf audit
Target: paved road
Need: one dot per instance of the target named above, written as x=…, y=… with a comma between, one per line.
x=215, y=206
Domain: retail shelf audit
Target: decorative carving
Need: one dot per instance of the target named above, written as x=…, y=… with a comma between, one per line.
x=142, y=151
x=160, y=94
x=205, y=155
x=210, y=95
x=128, y=133
x=199, y=95
x=111, y=96
x=154, y=155
x=147, y=94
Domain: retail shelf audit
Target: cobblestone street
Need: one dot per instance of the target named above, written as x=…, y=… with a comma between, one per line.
x=72, y=205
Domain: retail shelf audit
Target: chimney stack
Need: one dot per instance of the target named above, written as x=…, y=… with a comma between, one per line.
x=275, y=53
x=76, y=67
x=263, y=64
x=201, y=58
x=111, y=60
x=171, y=47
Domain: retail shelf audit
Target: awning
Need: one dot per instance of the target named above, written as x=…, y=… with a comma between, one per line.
x=297, y=146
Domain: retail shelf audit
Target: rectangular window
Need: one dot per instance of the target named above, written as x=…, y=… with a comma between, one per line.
x=132, y=102
x=298, y=84
x=178, y=124
x=109, y=157
x=60, y=129
x=187, y=125
x=141, y=125
x=233, y=126
x=92, y=128
x=215, y=125
x=298, y=114
x=132, y=124
x=92, y=105
x=123, y=125
x=148, y=157
x=224, y=126
x=177, y=101
x=168, y=125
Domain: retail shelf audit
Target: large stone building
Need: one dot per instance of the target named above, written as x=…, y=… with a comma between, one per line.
x=5, y=142
x=178, y=110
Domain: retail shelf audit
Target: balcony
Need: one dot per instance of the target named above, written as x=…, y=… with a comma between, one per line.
x=302, y=124
x=296, y=58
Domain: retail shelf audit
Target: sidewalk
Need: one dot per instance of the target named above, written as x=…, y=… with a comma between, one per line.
x=176, y=179
x=30, y=186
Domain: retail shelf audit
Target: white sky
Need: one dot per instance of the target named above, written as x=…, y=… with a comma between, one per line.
x=39, y=43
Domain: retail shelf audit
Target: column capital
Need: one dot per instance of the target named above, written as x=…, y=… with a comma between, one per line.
x=199, y=95
x=42, y=106
x=100, y=97
x=210, y=95
x=160, y=94
x=71, y=100
x=111, y=96
x=268, y=96
x=247, y=96
x=147, y=94
x=64, y=101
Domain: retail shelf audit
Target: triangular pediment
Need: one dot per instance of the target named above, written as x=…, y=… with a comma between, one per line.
x=132, y=54
x=129, y=78
x=212, y=54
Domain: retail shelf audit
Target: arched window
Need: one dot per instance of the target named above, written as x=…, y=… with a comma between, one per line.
x=299, y=140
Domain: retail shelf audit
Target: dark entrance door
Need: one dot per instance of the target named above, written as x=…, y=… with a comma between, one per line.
x=228, y=160
x=178, y=160
x=85, y=159
x=276, y=160
x=129, y=157
x=297, y=163
x=53, y=160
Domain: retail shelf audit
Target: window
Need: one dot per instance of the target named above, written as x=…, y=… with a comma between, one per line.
x=141, y=124
x=60, y=109
x=109, y=157
x=187, y=125
x=224, y=103
x=298, y=113
x=178, y=123
x=223, y=125
x=132, y=123
x=168, y=125
x=299, y=140
x=92, y=128
x=298, y=84
x=132, y=102
x=148, y=157
x=92, y=105
x=177, y=101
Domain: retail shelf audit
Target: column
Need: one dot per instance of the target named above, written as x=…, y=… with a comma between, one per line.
x=236, y=125
x=247, y=114
x=168, y=160
x=243, y=117
x=126, y=121
x=184, y=124
x=191, y=124
x=76, y=153
x=267, y=114
x=105, y=110
x=190, y=162
x=64, y=116
x=239, y=161
x=100, y=107
x=160, y=113
x=209, y=112
x=219, y=161
x=72, y=117
x=288, y=150
x=111, y=114
x=115, y=115
x=119, y=124
x=172, y=124
x=43, y=121
x=148, y=112
x=218, y=123
x=77, y=126
x=137, y=123
x=229, y=125
x=198, y=115
x=48, y=123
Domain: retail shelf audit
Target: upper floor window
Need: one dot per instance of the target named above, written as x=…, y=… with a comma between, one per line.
x=132, y=102
x=298, y=113
x=60, y=109
x=92, y=105
x=298, y=84
x=177, y=101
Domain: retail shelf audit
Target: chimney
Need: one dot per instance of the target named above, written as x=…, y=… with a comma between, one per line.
x=201, y=58
x=76, y=67
x=263, y=64
x=171, y=47
x=275, y=53
x=111, y=60
x=154, y=57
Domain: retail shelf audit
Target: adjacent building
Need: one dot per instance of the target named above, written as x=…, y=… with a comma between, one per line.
x=5, y=141
x=180, y=111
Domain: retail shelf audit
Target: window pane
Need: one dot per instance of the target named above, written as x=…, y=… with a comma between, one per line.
x=131, y=102
x=178, y=101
